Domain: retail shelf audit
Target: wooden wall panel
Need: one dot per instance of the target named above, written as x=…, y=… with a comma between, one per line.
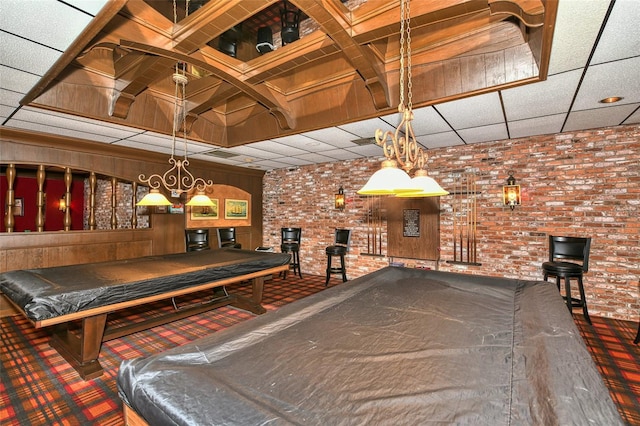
x=423, y=242
x=166, y=235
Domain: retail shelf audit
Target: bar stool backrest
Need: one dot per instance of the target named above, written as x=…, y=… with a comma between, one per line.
x=570, y=248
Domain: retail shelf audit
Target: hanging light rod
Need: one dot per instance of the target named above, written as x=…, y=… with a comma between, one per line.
x=178, y=179
x=400, y=147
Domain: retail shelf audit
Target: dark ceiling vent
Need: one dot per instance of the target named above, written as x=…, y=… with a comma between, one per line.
x=220, y=154
x=365, y=141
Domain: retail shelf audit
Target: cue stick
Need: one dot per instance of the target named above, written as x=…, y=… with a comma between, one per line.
x=461, y=227
x=455, y=247
x=468, y=218
x=369, y=228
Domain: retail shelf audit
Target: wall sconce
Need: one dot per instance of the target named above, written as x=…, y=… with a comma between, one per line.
x=340, y=199
x=511, y=192
x=63, y=205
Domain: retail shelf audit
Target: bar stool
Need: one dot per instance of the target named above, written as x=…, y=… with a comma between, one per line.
x=340, y=248
x=196, y=239
x=227, y=238
x=290, y=243
x=572, y=248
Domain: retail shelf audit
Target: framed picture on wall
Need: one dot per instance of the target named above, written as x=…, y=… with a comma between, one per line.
x=205, y=212
x=236, y=209
x=18, y=207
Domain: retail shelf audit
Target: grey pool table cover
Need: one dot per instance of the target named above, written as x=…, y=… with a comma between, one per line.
x=396, y=347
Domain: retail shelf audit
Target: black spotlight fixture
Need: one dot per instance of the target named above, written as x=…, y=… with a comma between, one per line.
x=265, y=40
x=290, y=20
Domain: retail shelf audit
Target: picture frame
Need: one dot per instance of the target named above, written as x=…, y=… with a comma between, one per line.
x=18, y=207
x=204, y=212
x=236, y=209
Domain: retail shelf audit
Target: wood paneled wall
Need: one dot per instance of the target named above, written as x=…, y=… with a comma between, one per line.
x=166, y=235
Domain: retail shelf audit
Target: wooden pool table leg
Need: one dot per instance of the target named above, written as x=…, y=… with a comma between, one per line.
x=252, y=304
x=82, y=350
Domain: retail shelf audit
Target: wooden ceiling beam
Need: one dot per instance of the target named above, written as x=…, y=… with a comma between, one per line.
x=335, y=24
x=276, y=107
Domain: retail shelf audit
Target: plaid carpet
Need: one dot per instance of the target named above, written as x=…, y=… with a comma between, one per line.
x=38, y=386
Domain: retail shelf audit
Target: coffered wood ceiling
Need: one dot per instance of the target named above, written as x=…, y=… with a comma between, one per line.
x=306, y=102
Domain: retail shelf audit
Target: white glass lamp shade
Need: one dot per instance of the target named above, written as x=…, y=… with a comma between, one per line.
x=200, y=199
x=154, y=198
x=427, y=187
x=389, y=180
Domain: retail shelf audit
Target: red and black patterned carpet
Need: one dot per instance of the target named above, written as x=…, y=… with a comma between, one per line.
x=39, y=387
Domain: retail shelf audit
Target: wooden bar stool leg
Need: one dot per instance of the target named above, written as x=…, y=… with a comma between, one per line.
x=343, y=268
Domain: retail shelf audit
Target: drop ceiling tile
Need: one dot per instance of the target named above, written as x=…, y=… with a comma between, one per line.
x=272, y=164
x=37, y=21
x=594, y=118
x=333, y=136
x=372, y=150
x=37, y=127
x=475, y=111
x=493, y=132
x=634, y=118
x=621, y=37
x=90, y=129
x=549, y=97
x=253, y=152
x=426, y=121
x=439, y=140
x=315, y=158
x=5, y=112
x=342, y=154
x=156, y=147
x=577, y=25
x=619, y=78
x=536, y=126
x=89, y=6
x=366, y=128
x=291, y=161
x=17, y=81
x=38, y=61
x=278, y=148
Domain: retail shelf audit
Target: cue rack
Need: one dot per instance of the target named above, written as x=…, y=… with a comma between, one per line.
x=374, y=219
x=465, y=219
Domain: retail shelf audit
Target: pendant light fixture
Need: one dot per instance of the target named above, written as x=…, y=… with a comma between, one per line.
x=178, y=179
x=400, y=147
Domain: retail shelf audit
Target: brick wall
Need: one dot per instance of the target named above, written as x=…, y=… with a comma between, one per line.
x=578, y=184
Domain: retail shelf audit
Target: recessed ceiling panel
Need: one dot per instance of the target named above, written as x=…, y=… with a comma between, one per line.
x=475, y=111
x=577, y=25
x=619, y=78
x=548, y=97
x=615, y=44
